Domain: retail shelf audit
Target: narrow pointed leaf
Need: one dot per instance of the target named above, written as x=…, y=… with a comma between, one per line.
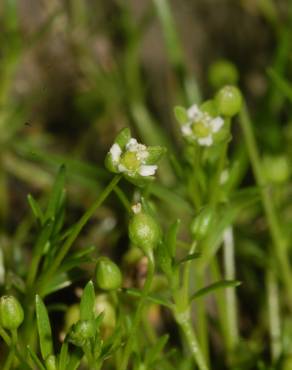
x=63, y=359
x=56, y=194
x=35, y=359
x=215, y=286
x=44, y=328
x=87, y=302
x=36, y=210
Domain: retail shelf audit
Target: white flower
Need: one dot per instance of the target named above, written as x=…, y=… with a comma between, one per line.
x=132, y=160
x=201, y=126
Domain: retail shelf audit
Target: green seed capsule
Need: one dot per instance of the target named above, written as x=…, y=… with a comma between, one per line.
x=144, y=231
x=229, y=101
x=11, y=312
x=108, y=274
x=221, y=73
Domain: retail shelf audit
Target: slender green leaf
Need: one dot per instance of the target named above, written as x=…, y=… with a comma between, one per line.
x=215, y=286
x=87, y=302
x=44, y=328
x=64, y=358
x=156, y=351
x=75, y=359
x=189, y=257
x=171, y=237
x=35, y=359
x=151, y=297
x=56, y=194
x=36, y=210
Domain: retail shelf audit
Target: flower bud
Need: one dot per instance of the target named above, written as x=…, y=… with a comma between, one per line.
x=51, y=363
x=11, y=312
x=202, y=223
x=108, y=274
x=222, y=72
x=144, y=231
x=229, y=101
x=82, y=331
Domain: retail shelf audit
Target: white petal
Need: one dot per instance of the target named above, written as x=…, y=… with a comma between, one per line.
x=131, y=144
x=186, y=130
x=206, y=141
x=122, y=168
x=216, y=124
x=115, y=152
x=193, y=111
x=147, y=170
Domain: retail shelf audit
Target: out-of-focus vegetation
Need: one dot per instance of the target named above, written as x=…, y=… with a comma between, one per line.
x=73, y=73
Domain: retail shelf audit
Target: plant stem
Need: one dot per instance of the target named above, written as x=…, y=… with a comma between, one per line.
x=184, y=321
x=75, y=232
x=138, y=314
x=182, y=314
x=274, y=315
x=231, y=308
x=277, y=235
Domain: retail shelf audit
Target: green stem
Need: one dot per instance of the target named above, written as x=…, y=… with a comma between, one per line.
x=5, y=337
x=11, y=354
x=184, y=321
x=231, y=308
x=277, y=235
x=274, y=315
x=75, y=232
x=138, y=314
x=182, y=314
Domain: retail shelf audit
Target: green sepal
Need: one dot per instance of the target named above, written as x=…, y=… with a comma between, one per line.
x=139, y=180
x=210, y=107
x=123, y=137
x=155, y=154
x=181, y=114
x=109, y=164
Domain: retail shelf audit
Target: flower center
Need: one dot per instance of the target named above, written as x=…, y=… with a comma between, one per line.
x=200, y=129
x=130, y=161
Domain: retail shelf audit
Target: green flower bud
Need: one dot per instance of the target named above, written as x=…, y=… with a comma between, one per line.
x=202, y=223
x=108, y=274
x=11, y=312
x=144, y=231
x=82, y=331
x=51, y=363
x=229, y=101
x=222, y=73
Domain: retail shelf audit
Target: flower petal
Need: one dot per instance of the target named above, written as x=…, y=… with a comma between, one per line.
x=193, y=111
x=147, y=170
x=186, y=130
x=216, y=124
x=115, y=152
x=206, y=141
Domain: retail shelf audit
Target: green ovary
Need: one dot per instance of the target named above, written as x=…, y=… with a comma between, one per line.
x=130, y=161
x=200, y=130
